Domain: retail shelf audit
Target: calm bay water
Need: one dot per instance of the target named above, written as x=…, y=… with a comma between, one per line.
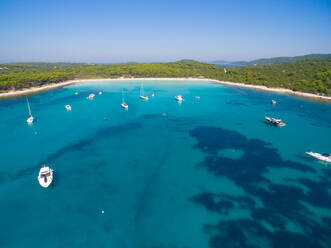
x=210, y=173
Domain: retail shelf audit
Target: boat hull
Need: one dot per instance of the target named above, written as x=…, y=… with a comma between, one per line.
x=45, y=181
x=319, y=156
x=30, y=120
x=277, y=123
x=179, y=98
x=125, y=106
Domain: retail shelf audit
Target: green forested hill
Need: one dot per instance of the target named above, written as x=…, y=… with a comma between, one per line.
x=305, y=75
x=280, y=60
x=274, y=60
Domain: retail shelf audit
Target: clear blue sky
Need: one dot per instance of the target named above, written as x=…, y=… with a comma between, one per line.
x=120, y=31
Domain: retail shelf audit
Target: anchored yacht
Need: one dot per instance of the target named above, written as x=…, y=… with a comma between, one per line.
x=30, y=119
x=45, y=176
x=179, y=98
x=141, y=95
x=123, y=104
x=91, y=96
x=323, y=157
x=274, y=121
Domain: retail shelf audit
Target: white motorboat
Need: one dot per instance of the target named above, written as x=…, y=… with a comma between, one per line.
x=197, y=97
x=91, y=96
x=123, y=104
x=30, y=119
x=323, y=157
x=153, y=94
x=141, y=95
x=76, y=93
x=273, y=102
x=274, y=121
x=45, y=176
x=179, y=98
x=100, y=92
x=68, y=107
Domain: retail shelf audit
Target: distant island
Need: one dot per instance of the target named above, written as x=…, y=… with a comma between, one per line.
x=307, y=75
x=272, y=61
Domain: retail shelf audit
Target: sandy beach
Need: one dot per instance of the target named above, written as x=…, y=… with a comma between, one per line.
x=256, y=87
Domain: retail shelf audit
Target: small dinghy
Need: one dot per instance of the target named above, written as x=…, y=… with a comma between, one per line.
x=273, y=102
x=100, y=92
x=153, y=94
x=68, y=107
x=76, y=93
x=197, y=97
x=323, y=157
x=275, y=122
x=45, y=176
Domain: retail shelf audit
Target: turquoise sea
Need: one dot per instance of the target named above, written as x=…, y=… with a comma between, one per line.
x=210, y=173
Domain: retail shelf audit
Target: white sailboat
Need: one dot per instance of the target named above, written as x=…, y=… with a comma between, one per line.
x=141, y=95
x=45, y=176
x=91, y=96
x=30, y=119
x=179, y=98
x=123, y=104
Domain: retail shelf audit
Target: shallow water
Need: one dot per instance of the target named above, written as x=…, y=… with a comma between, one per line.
x=210, y=173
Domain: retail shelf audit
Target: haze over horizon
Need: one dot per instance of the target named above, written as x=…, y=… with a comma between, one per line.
x=146, y=31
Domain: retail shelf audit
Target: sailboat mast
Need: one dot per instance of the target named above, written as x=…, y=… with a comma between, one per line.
x=28, y=106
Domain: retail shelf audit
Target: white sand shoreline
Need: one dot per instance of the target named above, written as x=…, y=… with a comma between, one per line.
x=256, y=87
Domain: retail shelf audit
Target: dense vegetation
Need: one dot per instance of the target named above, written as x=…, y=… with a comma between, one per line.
x=275, y=60
x=304, y=75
